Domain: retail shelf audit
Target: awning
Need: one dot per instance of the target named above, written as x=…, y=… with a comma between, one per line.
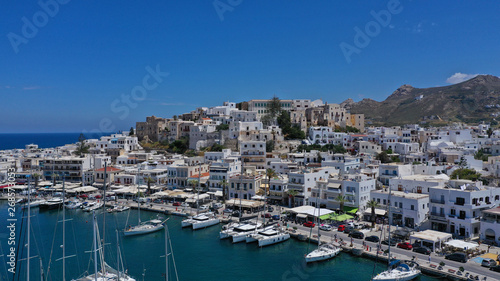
x=333, y=185
x=350, y=210
x=342, y=217
x=462, y=244
x=302, y=216
x=327, y=216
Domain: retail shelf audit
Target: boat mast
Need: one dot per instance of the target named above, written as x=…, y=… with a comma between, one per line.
x=29, y=223
x=199, y=187
x=241, y=186
x=118, y=255
x=104, y=211
x=389, y=213
x=166, y=253
x=319, y=213
x=95, y=244
x=138, y=201
x=64, y=230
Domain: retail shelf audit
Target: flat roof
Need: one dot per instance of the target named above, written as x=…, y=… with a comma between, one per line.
x=409, y=195
x=431, y=235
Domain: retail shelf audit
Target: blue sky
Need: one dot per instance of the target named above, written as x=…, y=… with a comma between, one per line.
x=81, y=60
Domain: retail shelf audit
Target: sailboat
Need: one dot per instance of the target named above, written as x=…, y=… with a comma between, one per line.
x=325, y=251
x=397, y=270
x=106, y=272
x=143, y=227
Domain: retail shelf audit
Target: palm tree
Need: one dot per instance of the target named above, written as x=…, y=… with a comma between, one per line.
x=292, y=193
x=270, y=173
x=341, y=199
x=193, y=184
x=224, y=185
x=372, y=204
x=149, y=181
x=36, y=176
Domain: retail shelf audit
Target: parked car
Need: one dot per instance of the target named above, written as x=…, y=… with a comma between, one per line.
x=217, y=205
x=461, y=257
x=348, y=229
x=373, y=238
x=341, y=228
x=495, y=268
x=177, y=203
x=266, y=215
x=422, y=250
x=204, y=208
x=488, y=262
x=184, y=204
x=309, y=224
x=270, y=209
x=405, y=245
x=325, y=227
x=357, y=234
x=276, y=217
x=227, y=211
x=393, y=242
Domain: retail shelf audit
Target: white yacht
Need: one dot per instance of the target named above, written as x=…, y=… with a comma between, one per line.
x=118, y=208
x=94, y=206
x=37, y=203
x=73, y=205
x=239, y=233
x=402, y=272
x=323, y=252
x=204, y=220
x=53, y=203
x=143, y=228
x=250, y=237
x=226, y=229
x=268, y=237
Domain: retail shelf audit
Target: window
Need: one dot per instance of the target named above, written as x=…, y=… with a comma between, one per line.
x=412, y=207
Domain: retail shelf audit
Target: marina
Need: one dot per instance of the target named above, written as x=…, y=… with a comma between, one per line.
x=220, y=259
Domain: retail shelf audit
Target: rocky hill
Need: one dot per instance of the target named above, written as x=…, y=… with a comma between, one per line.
x=471, y=101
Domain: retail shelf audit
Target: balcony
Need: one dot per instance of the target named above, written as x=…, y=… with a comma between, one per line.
x=459, y=203
x=437, y=201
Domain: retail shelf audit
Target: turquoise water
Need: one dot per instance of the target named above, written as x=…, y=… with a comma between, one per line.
x=199, y=255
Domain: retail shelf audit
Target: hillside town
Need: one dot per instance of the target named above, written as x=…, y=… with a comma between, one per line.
x=294, y=153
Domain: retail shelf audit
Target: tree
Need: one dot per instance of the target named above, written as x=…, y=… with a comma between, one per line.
x=372, y=204
x=480, y=155
x=489, y=132
x=81, y=148
x=273, y=110
x=292, y=193
x=341, y=199
x=222, y=127
x=270, y=173
x=269, y=146
x=36, y=177
x=383, y=157
x=224, y=185
x=175, y=117
x=319, y=158
x=131, y=133
x=149, y=181
x=463, y=173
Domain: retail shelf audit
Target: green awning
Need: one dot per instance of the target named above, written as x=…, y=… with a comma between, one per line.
x=329, y=216
x=342, y=217
x=350, y=210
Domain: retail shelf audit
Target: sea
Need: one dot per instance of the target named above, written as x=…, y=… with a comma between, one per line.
x=44, y=140
x=198, y=255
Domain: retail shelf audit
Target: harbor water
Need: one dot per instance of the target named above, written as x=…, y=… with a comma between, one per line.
x=199, y=255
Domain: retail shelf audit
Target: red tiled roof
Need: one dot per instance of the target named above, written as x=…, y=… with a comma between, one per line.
x=108, y=169
x=202, y=175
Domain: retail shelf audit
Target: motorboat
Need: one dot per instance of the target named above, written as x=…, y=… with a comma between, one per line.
x=37, y=203
x=204, y=220
x=73, y=205
x=271, y=236
x=144, y=228
x=118, y=208
x=51, y=204
x=399, y=271
x=239, y=233
x=323, y=252
x=94, y=206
